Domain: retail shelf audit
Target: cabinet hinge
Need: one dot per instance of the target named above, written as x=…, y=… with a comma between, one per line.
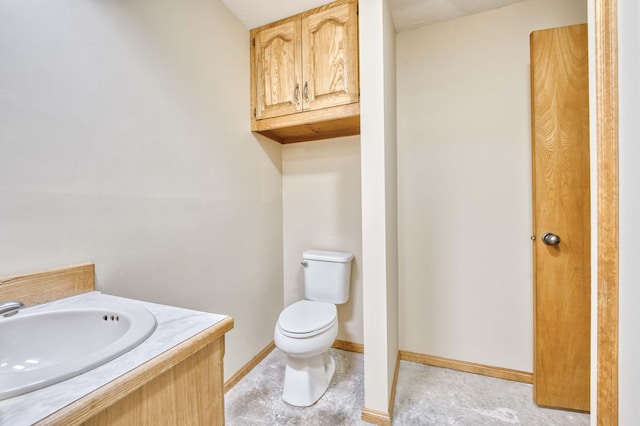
x=358, y=9
x=253, y=42
x=254, y=113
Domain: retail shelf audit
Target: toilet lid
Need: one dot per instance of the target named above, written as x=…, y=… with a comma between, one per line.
x=307, y=318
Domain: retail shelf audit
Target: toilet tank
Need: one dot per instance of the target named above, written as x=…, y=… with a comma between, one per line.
x=327, y=276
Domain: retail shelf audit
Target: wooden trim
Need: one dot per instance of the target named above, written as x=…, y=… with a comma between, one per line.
x=345, y=345
x=109, y=394
x=606, y=45
x=378, y=417
x=375, y=417
x=43, y=287
x=468, y=367
x=319, y=115
x=326, y=123
x=238, y=375
x=394, y=385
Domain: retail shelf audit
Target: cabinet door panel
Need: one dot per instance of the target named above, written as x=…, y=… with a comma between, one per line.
x=330, y=61
x=277, y=57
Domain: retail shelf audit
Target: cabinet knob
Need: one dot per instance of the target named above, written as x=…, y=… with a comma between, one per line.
x=296, y=93
x=305, y=91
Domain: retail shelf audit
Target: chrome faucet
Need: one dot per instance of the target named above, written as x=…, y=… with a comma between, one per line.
x=10, y=307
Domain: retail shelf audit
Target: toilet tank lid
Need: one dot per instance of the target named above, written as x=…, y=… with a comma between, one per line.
x=327, y=256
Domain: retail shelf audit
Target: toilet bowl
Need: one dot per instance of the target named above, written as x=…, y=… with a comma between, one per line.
x=307, y=329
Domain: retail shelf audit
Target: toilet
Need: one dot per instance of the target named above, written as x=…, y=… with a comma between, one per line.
x=307, y=329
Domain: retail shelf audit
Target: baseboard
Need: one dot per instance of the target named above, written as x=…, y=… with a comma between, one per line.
x=392, y=398
x=376, y=417
x=468, y=367
x=233, y=380
x=349, y=346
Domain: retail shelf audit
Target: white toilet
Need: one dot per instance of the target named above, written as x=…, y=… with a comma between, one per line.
x=307, y=329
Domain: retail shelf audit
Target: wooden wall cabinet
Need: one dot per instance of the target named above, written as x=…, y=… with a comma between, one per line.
x=304, y=75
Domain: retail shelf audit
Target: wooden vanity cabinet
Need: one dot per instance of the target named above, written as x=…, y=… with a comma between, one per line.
x=181, y=386
x=304, y=75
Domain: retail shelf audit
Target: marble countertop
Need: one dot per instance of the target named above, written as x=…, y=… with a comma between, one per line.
x=175, y=325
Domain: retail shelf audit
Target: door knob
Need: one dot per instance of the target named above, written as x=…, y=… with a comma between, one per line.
x=550, y=239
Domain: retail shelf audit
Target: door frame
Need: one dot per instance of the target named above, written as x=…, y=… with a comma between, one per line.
x=606, y=71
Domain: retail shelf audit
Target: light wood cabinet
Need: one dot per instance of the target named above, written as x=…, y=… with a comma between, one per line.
x=183, y=386
x=278, y=70
x=304, y=75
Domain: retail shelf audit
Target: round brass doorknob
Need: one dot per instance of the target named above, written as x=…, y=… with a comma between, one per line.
x=550, y=239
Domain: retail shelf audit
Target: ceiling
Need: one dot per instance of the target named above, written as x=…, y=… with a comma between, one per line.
x=407, y=14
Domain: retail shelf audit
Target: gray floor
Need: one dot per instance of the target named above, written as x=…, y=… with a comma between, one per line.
x=425, y=396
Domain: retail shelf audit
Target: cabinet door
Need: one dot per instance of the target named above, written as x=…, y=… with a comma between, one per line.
x=330, y=57
x=277, y=70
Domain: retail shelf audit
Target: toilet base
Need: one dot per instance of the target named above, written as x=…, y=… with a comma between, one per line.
x=307, y=379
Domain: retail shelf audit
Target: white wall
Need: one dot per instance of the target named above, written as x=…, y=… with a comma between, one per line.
x=379, y=206
x=464, y=166
x=391, y=190
x=124, y=141
x=321, y=209
x=629, y=231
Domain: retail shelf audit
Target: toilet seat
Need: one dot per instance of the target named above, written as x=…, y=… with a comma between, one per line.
x=307, y=318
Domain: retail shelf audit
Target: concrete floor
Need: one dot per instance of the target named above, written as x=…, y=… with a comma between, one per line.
x=425, y=396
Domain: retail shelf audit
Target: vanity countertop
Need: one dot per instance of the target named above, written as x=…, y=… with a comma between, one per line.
x=175, y=325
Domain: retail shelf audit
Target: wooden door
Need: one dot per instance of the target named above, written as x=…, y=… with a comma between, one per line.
x=562, y=282
x=277, y=55
x=330, y=57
